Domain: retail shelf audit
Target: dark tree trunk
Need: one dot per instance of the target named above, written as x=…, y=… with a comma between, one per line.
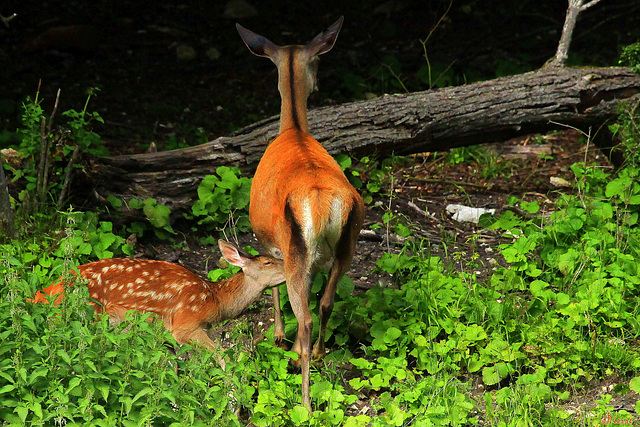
x=6, y=212
x=436, y=120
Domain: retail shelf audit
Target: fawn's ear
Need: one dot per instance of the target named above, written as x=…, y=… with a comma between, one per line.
x=232, y=254
x=257, y=44
x=323, y=42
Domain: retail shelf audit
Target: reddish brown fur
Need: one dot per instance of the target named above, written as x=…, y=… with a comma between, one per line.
x=295, y=164
x=184, y=300
x=302, y=206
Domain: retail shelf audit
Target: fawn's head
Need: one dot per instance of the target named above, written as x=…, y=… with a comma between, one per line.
x=260, y=270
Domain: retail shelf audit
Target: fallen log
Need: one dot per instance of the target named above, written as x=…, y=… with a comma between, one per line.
x=434, y=120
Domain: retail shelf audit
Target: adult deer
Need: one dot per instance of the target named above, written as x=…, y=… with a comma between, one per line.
x=183, y=300
x=302, y=207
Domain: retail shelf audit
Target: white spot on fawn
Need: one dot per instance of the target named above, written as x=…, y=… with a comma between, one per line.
x=163, y=295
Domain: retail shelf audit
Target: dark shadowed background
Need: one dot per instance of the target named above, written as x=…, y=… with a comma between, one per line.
x=177, y=73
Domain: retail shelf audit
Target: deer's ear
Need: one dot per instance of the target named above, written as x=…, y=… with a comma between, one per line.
x=232, y=254
x=257, y=44
x=323, y=42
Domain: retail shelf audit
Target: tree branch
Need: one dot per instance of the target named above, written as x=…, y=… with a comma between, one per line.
x=571, y=18
x=8, y=19
x=67, y=177
x=588, y=5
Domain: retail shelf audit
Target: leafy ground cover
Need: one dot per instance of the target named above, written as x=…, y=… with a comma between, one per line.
x=543, y=331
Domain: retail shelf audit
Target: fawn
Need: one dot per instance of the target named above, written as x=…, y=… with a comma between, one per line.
x=183, y=300
x=302, y=207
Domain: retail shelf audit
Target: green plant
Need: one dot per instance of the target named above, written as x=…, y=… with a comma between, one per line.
x=570, y=286
x=561, y=313
x=45, y=152
x=580, y=266
x=81, y=134
x=369, y=175
x=157, y=214
x=627, y=131
x=222, y=199
x=630, y=57
x=525, y=403
x=61, y=365
x=488, y=163
x=77, y=236
x=458, y=155
x=95, y=238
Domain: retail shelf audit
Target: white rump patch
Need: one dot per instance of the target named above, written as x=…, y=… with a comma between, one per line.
x=322, y=247
x=307, y=221
x=334, y=227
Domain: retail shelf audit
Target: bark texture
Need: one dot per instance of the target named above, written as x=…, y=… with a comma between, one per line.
x=435, y=120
